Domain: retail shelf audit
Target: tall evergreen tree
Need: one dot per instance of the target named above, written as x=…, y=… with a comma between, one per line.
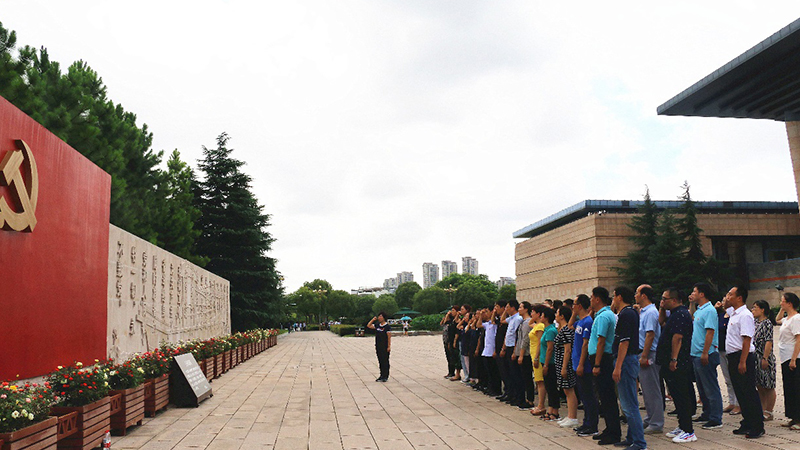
x=176, y=228
x=638, y=264
x=666, y=267
x=234, y=238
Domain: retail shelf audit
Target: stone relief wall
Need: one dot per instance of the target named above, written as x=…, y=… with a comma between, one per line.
x=155, y=296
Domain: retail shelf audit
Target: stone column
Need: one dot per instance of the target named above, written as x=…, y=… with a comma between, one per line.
x=793, y=132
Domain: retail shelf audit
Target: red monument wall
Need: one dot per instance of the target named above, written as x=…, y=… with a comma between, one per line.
x=53, y=273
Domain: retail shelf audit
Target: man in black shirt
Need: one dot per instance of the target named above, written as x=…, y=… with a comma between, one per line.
x=626, y=367
x=673, y=355
x=383, y=343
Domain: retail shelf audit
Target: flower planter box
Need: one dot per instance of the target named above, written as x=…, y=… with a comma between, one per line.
x=226, y=366
x=209, y=364
x=131, y=410
x=92, y=423
x=250, y=352
x=67, y=425
x=219, y=365
x=234, y=357
x=42, y=435
x=156, y=395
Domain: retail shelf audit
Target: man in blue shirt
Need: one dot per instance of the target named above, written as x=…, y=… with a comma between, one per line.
x=601, y=342
x=649, y=377
x=515, y=388
x=583, y=365
x=705, y=356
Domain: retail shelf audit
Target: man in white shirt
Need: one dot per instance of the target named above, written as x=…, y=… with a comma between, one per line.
x=741, y=363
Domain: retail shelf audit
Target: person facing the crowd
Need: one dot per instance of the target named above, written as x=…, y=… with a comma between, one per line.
x=601, y=343
x=535, y=337
x=626, y=367
x=383, y=343
x=673, y=355
x=741, y=363
x=705, y=356
x=789, y=352
x=583, y=365
x=649, y=376
x=765, y=358
x=565, y=375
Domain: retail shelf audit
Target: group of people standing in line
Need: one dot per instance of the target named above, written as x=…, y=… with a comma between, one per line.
x=599, y=350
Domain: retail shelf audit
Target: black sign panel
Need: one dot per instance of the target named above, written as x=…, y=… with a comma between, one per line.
x=188, y=384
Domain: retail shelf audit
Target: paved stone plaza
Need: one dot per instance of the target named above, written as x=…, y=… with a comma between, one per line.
x=316, y=390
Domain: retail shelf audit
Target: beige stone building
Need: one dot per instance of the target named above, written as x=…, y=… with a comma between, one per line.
x=576, y=249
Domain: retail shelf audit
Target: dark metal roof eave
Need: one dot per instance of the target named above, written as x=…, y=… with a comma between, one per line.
x=586, y=207
x=739, y=81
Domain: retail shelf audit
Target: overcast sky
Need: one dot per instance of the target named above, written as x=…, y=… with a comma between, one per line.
x=384, y=134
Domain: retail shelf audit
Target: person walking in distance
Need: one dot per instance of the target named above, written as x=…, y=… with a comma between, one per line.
x=383, y=343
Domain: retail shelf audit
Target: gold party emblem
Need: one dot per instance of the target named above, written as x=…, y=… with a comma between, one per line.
x=23, y=185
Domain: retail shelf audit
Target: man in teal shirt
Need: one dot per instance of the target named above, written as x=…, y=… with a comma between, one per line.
x=705, y=355
x=601, y=342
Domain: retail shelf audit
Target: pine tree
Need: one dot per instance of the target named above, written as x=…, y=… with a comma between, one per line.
x=234, y=238
x=637, y=266
x=666, y=268
x=176, y=227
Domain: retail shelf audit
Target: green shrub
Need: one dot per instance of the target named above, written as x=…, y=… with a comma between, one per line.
x=313, y=327
x=427, y=323
x=343, y=330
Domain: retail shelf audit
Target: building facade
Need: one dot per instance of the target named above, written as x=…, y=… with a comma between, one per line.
x=404, y=277
x=390, y=284
x=430, y=274
x=578, y=248
x=449, y=267
x=505, y=281
x=469, y=265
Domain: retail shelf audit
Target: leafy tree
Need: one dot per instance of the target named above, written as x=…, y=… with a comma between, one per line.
x=453, y=280
x=386, y=303
x=507, y=292
x=321, y=288
x=363, y=308
x=176, y=231
x=637, y=266
x=431, y=301
x=405, y=294
x=340, y=304
x=476, y=290
x=307, y=304
x=234, y=238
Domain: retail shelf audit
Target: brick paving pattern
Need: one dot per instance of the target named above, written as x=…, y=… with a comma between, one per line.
x=316, y=390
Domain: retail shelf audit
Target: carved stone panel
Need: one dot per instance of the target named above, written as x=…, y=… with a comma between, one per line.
x=155, y=296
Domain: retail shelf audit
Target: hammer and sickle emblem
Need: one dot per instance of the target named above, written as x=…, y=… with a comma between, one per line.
x=25, y=187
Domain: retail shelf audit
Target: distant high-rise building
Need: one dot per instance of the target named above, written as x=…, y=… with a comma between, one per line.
x=469, y=265
x=390, y=284
x=404, y=277
x=505, y=281
x=430, y=274
x=448, y=267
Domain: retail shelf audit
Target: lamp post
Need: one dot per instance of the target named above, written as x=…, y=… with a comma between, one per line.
x=322, y=293
x=450, y=290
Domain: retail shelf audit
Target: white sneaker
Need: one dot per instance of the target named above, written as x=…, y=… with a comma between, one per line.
x=675, y=433
x=569, y=423
x=684, y=438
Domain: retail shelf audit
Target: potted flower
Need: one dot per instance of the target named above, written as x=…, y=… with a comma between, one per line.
x=126, y=380
x=155, y=365
x=82, y=390
x=25, y=420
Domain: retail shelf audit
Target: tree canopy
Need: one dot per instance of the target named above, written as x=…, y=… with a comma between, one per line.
x=405, y=293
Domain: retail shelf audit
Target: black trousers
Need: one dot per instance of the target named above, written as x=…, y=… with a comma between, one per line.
x=606, y=391
x=589, y=400
x=526, y=370
x=451, y=370
x=680, y=387
x=744, y=385
x=492, y=374
x=514, y=376
x=551, y=385
x=791, y=390
x=383, y=361
x=502, y=370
